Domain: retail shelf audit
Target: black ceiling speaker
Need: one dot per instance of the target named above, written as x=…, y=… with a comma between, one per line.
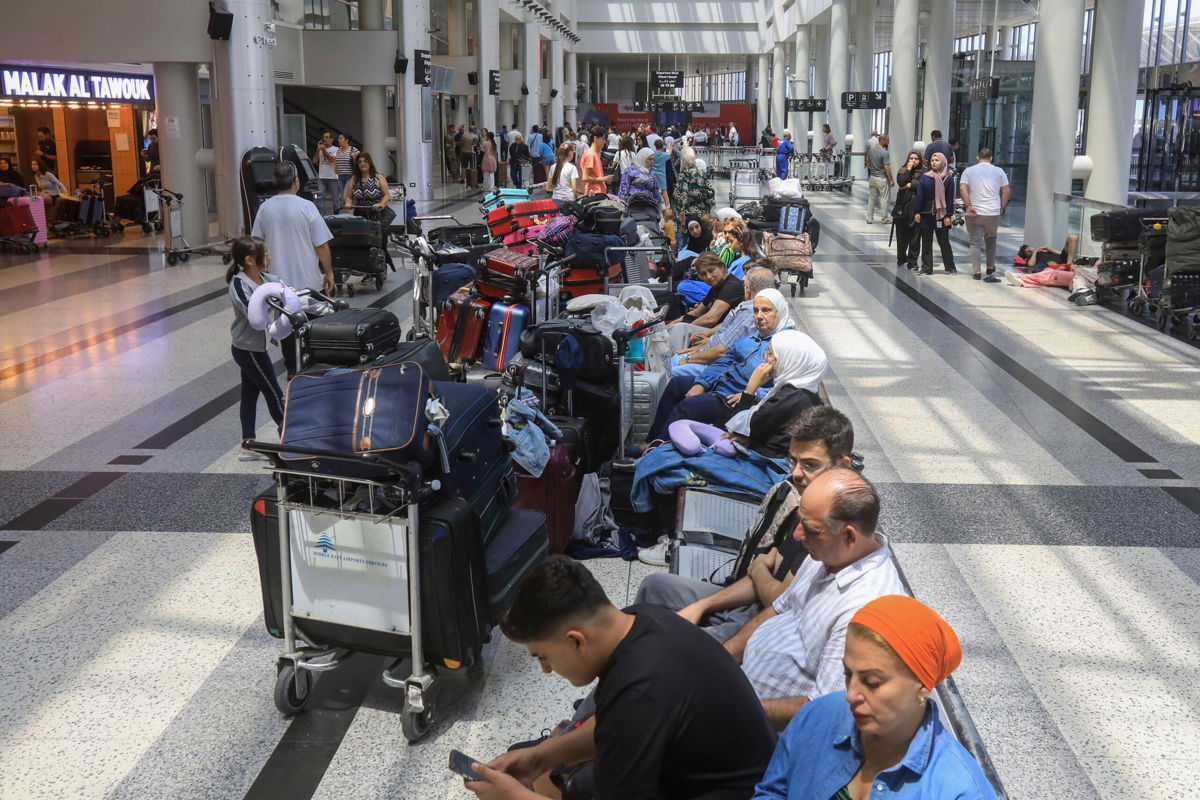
x=454, y=104
x=473, y=78
x=400, y=65
x=524, y=89
x=220, y=24
x=554, y=92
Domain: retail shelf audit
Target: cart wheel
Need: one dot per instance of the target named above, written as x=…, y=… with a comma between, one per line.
x=1193, y=330
x=349, y=290
x=158, y=226
x=292, y=689
x=379, y=282
x=1136, y=306
x=794, y=289
x=172, y=259
x=411, y=335
x=1163, y=321
x=415, y=725
x=147, y=227
x=185, y=256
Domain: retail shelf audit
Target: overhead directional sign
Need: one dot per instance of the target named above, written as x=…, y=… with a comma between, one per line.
x=666, y=80
x=493, y=81
x=423, y=74
x=985, y=88
x=809, y=104
x=852, y=101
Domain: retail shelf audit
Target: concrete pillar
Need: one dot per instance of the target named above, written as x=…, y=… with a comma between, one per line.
x=177, y=102
x=508, y=113
x=939, y=65
x=587, y=82
x=606, y=87
x=243, y=100
x=820, y=46
x=763, y=106
x=374, y=98
x=839, y=67
x=557, y=84
x=458, y=29
x=1112, y=97
x=413, y=104
x=1058, y=53
x=902, y=100
x=531, y=112
x=801, y=124
x=864, y=52
x=570, y=87
x=487, y=52
x=778, y=88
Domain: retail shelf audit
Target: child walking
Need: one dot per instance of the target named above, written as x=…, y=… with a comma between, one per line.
x=245, y=274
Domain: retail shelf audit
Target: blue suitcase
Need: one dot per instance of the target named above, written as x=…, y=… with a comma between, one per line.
x=502, y=197
x=792, y=220
x=519, y=545
x=506, y=321
x=481, y=468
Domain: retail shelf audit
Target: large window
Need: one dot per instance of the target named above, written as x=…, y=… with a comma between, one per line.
x=881, y=78
x=723, y=87
x=1023, y=39
x=969, y=44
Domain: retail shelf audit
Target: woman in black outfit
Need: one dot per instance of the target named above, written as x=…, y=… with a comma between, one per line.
x=934, y=210
x=908, y=235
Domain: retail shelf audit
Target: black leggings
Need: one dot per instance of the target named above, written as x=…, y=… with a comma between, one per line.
x=943, y=238
x=908, y=244
x=258, y=377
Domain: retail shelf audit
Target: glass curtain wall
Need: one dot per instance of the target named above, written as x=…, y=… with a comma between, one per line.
x=1166, y=133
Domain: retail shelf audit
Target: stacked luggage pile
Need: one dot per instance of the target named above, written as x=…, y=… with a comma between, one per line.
x=790, y=234
x=22, y=224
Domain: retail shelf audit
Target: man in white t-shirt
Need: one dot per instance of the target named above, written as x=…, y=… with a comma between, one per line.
x=327, y=177
x=297, y=239
x=985, y=192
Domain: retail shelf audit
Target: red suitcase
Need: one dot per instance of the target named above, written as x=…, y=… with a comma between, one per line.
x=509, y=218
x=505, y=274
x=578, y=281
x=518, y=240
x=554, y=493
x=16, y=220
x=461, y=328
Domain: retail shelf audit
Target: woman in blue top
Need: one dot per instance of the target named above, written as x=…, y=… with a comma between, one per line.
x=661, y=157
x=639, y=178
x=782, y=153
x=882, y=736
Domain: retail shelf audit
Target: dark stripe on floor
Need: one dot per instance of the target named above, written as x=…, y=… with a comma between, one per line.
x=63, y=501
x=5, y=545
x=104, y=336
x=71, y=284
x=1160, y=474
x=296, y=766
x=1188, y=495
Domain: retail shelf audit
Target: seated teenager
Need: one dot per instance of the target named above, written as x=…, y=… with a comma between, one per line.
x=656, y=731
x=821, y=438
x=694, y=350
x=724, y=291
x=717, y=393
x=882, y=735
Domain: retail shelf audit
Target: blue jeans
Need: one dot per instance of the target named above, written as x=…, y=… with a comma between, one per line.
x=705, y=407
x=685, y=370
x=332, y=188
x=514, y=172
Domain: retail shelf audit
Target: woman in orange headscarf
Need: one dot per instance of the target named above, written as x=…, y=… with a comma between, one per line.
x=883, y=731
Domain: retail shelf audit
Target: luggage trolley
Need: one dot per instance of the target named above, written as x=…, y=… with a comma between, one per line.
x=1142, y=294
x=745, y=181
x=177, y=249
x=18, y=231
x=429, y=250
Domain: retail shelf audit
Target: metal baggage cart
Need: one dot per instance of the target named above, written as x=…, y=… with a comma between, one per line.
x=1139, y=298
x=14, y=219
x=745, y=181
x=176, y=248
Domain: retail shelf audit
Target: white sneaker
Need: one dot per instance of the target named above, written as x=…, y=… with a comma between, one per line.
x=1012, y=278
x=655, y=556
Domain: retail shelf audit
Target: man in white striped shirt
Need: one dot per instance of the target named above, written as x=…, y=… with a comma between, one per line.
x=792, y=650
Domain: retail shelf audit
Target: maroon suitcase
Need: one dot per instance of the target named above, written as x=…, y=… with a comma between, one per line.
x=509, y=218
x=461, y=327
x=505, y=274
x=16, y=220
x=553, y=493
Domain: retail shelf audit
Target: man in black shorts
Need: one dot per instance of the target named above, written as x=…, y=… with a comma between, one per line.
x=675, y=716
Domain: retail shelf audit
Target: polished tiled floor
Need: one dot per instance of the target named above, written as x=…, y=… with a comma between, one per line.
x=1038, y=464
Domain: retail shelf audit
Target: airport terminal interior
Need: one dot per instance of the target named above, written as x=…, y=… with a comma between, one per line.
x=1030, y=421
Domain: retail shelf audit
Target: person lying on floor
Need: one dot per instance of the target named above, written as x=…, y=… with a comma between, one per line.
x=656, y=731
x=712, y=343
x=1044, y=266
x=718, y=392
x=723, y=292
x=821, y=438
x=882, y=736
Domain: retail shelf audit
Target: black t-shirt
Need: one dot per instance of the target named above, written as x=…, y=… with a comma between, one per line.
x=676, y=718
x=730, y=291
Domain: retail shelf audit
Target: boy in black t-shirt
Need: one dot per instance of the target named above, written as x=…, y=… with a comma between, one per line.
x=675, y=716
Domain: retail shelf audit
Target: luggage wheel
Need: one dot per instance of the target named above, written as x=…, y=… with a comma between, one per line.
x=293, y=687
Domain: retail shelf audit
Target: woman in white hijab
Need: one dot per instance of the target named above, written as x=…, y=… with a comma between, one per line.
x=639, y=179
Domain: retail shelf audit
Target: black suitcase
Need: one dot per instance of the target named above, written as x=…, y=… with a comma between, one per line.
x=350, y=337
x=577, y=438
x=519, y=545
x=370, y=261
x=599, y=351
x=772, y=208
x=459, y=235
x=1124, y=225
x=353, y=233
x=481, y=468
x=453, y=253
x=424, y=351
x=455, y=619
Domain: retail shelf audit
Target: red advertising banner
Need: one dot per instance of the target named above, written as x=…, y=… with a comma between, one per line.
x=624, y=117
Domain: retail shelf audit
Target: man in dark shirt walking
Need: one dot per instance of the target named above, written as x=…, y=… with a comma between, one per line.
x=939, y=145
x=675, y=717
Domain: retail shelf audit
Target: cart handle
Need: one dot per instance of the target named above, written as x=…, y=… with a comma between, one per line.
x=437, y=216
x=408, y=469
x=659, y=249
x=622, y=336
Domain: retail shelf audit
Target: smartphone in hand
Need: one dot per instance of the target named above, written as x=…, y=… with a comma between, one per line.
x=461, y=763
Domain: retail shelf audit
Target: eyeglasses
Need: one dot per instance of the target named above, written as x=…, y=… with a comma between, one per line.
x=807, y=466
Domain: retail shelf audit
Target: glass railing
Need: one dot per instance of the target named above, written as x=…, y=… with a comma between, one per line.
x=1073, y=215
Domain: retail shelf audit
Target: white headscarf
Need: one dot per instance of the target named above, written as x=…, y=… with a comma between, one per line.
x=784, y=321
x=642, y=156
x=725, y=213
x=799, y=361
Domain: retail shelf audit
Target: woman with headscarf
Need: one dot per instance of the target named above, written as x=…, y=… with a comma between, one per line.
x=883, y=733
x=934, y=210
x=717, y=393
x=639, y=178
x=693, y=196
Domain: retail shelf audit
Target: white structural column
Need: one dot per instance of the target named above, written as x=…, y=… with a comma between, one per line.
x=939, y=66
x=587, y=82
x=839, y=67
x=458, y=27
x=799, y=123
x=557, y=88
x=531, y=111
x=902, y=100
x=762, y=74
x=1059, y=50
x=177, y=98
x=412, y=106
x=374, y=98
x=779, y=88
x=570, y=87
x=243, y=101
x=1112, y=96
x=508, y=106
x=864, y=53
x=487, y=51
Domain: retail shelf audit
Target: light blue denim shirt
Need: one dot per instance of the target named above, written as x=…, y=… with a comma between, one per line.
x=529, y=429
x=820, y=751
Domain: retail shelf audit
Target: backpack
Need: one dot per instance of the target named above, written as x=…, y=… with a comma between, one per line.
x=789, y=252
x=768, y=528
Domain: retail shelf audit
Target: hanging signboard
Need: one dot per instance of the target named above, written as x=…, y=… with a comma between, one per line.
x=852, y=101
x=985, y=88
x=493, y=82
x=809, y=104
x=75, y=85
x=666, y=80
x=423, y=73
